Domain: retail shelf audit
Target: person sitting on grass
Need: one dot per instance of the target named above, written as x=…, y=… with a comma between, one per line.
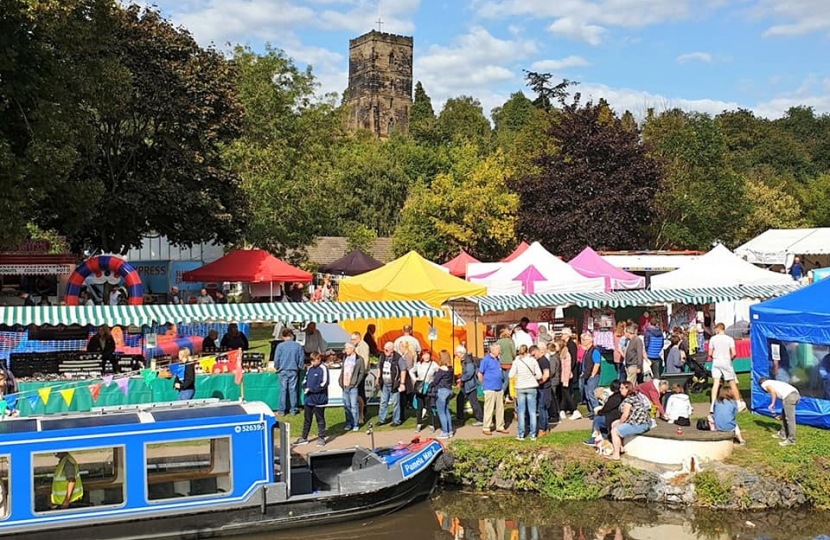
x=634, y=419
x=607, y=414
x=316, y=392
x=725, y=411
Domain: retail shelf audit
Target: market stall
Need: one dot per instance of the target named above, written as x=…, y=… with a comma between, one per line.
x=353, y=263
x=590, y=264
x=781, y=246
x=458, y=264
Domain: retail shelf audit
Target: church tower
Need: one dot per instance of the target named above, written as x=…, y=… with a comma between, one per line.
x=380, y=83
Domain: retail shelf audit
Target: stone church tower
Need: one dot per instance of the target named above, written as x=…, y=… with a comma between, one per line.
x=380, y=83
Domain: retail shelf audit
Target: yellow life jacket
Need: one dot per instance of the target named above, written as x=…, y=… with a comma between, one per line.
x=60, y=483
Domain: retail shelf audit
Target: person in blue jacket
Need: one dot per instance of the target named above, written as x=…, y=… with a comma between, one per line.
x=316, y=391
x=288, y=361
x=653, y=342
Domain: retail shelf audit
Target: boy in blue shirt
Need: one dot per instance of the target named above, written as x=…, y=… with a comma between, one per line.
x=316, y=391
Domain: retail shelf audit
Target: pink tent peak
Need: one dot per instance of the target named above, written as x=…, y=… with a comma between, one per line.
x=528, y=278
x=516, y=252
x=590, y=264
x=458, y=265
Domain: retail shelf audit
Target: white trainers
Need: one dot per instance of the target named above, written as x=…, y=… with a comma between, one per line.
x=786, y=442
x=741, y=406
x=576, y=415
x=562, y=415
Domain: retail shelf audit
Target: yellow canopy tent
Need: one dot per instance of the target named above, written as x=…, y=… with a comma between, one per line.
x=410, y=277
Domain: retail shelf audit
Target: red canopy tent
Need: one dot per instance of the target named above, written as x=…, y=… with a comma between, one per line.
x=516, y=252
x=458, y=265
x=248, y=266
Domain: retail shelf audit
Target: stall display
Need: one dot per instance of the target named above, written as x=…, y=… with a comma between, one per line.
x=601, y=323
x=66, y=364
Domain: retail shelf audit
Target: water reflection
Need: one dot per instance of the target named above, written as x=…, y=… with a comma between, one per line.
x=458, y=515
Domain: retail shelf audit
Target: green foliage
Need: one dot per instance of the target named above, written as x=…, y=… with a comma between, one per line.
x=815, y=200
x=771, y=206
x=422, y=121
x=462, y=120
x=360, y=237
x=710, y=490
x=468, y=208
x=511, y=118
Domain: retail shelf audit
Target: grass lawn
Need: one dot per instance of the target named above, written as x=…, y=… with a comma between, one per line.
x=260, y=338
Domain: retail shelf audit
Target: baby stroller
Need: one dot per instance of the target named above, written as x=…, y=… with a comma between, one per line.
x=699, y=382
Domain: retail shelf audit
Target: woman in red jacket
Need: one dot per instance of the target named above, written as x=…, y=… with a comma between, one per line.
x=654, y=390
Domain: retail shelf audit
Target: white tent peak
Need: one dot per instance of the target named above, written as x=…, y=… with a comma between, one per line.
x=718, y=268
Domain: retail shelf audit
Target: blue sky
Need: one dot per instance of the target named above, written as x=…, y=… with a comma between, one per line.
x=706, y=55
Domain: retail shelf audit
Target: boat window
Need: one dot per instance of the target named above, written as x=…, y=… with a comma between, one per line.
x=101, y=474
x=4, y=487
x=188, y=468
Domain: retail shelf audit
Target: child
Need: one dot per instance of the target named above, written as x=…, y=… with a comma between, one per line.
x=725, y=410
x=678, y=405
x=316, y=391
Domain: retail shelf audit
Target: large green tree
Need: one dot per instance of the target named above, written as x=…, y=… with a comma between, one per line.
x=422, y=121
x=285, y=154
x=593, y=185
x=468, y=208
x=701, y=199
x=510, y=118
x=462, y=120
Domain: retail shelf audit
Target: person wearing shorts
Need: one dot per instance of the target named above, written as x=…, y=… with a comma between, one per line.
x=721, y=354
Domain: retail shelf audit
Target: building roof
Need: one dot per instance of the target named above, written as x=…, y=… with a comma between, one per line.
x=328, y=249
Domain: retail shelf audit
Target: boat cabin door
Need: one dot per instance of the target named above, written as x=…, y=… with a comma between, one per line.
x=282, y=454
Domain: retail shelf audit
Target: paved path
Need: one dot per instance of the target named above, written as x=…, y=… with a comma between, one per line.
x=389, y=437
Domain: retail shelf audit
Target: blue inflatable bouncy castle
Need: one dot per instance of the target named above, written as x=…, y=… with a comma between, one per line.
x=791, y=336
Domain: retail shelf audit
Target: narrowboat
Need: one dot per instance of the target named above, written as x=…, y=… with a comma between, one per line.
x=192, y=470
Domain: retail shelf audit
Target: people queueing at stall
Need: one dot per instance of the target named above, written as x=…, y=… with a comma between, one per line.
x=103, y=342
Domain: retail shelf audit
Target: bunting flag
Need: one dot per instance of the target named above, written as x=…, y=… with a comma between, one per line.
x=11, y=401
x=235, y=365
x=149, y=375
x=122, y=384
x=94, y=391
x=33, y=399
x=67, y=395
x=207, y=364
x=107, y=380
x=44, y=394
x=3, y=406
x=177, y=371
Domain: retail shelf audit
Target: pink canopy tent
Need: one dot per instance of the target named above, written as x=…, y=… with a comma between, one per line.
x=516, y=252
x=458, y=265
x=589, y=263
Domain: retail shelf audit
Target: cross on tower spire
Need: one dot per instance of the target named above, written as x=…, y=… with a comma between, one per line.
x=380, y=24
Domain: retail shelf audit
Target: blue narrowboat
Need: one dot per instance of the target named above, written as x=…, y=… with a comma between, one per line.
x=189, y=470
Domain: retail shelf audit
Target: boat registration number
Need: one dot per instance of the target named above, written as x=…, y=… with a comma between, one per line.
x=244, y=428
x=413, y=464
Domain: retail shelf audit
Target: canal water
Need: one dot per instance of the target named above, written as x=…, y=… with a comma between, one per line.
x=459, y=515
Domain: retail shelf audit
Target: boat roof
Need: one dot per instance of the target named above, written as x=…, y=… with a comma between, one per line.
x=133, y=414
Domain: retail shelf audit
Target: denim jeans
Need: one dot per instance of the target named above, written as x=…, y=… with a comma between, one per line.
x=184, y=395
x=350, y=405
x=443, y=406
x=599, y=425
x=389, y=396
x=581, y=397
x=542, y=404
x=591, y=385
x=288, y=392
x=526, y=405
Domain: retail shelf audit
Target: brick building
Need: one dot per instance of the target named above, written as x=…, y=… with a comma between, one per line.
x=380, y=83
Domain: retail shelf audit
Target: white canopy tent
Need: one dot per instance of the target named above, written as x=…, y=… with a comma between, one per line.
x=722, y=268
x=534, y=271
x=781, y=246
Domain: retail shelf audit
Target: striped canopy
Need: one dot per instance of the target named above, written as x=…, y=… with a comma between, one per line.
x=620, y=299
x=150, y=314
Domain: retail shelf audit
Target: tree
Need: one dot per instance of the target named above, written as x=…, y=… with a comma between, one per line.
x=510, y=118
x=815, y=200
x=158, y=108
x=547, y=94
x=467, y=208
x=360, y=237
x=285, y=155
x=422, y=122
x=462, y=120
x=595, y=189
x=701, y=199
x=771, y=207
x=629, y=122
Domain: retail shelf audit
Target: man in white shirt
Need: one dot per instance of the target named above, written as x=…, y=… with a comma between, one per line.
x=721, y=354
x=407, y=336
x=521, y=336
x=789, y=399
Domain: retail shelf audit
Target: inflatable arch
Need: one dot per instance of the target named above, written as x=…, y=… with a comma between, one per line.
x=105, y=264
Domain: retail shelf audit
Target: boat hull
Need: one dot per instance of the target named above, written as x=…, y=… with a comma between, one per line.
x=292, y=513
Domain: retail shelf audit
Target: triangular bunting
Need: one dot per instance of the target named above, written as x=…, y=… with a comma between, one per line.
x=94, y=391
x=177, y=370
x=207, y=364
x=44, y=394
x=122, y=384
x=11, y=401
x=149, y=375
x=237, y=370
x=33, y=399
x=107, y=380
x=67, y=395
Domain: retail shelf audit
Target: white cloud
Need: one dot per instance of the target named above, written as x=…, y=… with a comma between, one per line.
x=396, y=16
x=694, y=57
x=474, y=64
x=801, y=16
x=587, y=20
x=577, y=31
x=558, y=65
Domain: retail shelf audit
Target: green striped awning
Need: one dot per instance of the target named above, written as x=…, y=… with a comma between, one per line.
x=259, y=312
x=620, y=299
